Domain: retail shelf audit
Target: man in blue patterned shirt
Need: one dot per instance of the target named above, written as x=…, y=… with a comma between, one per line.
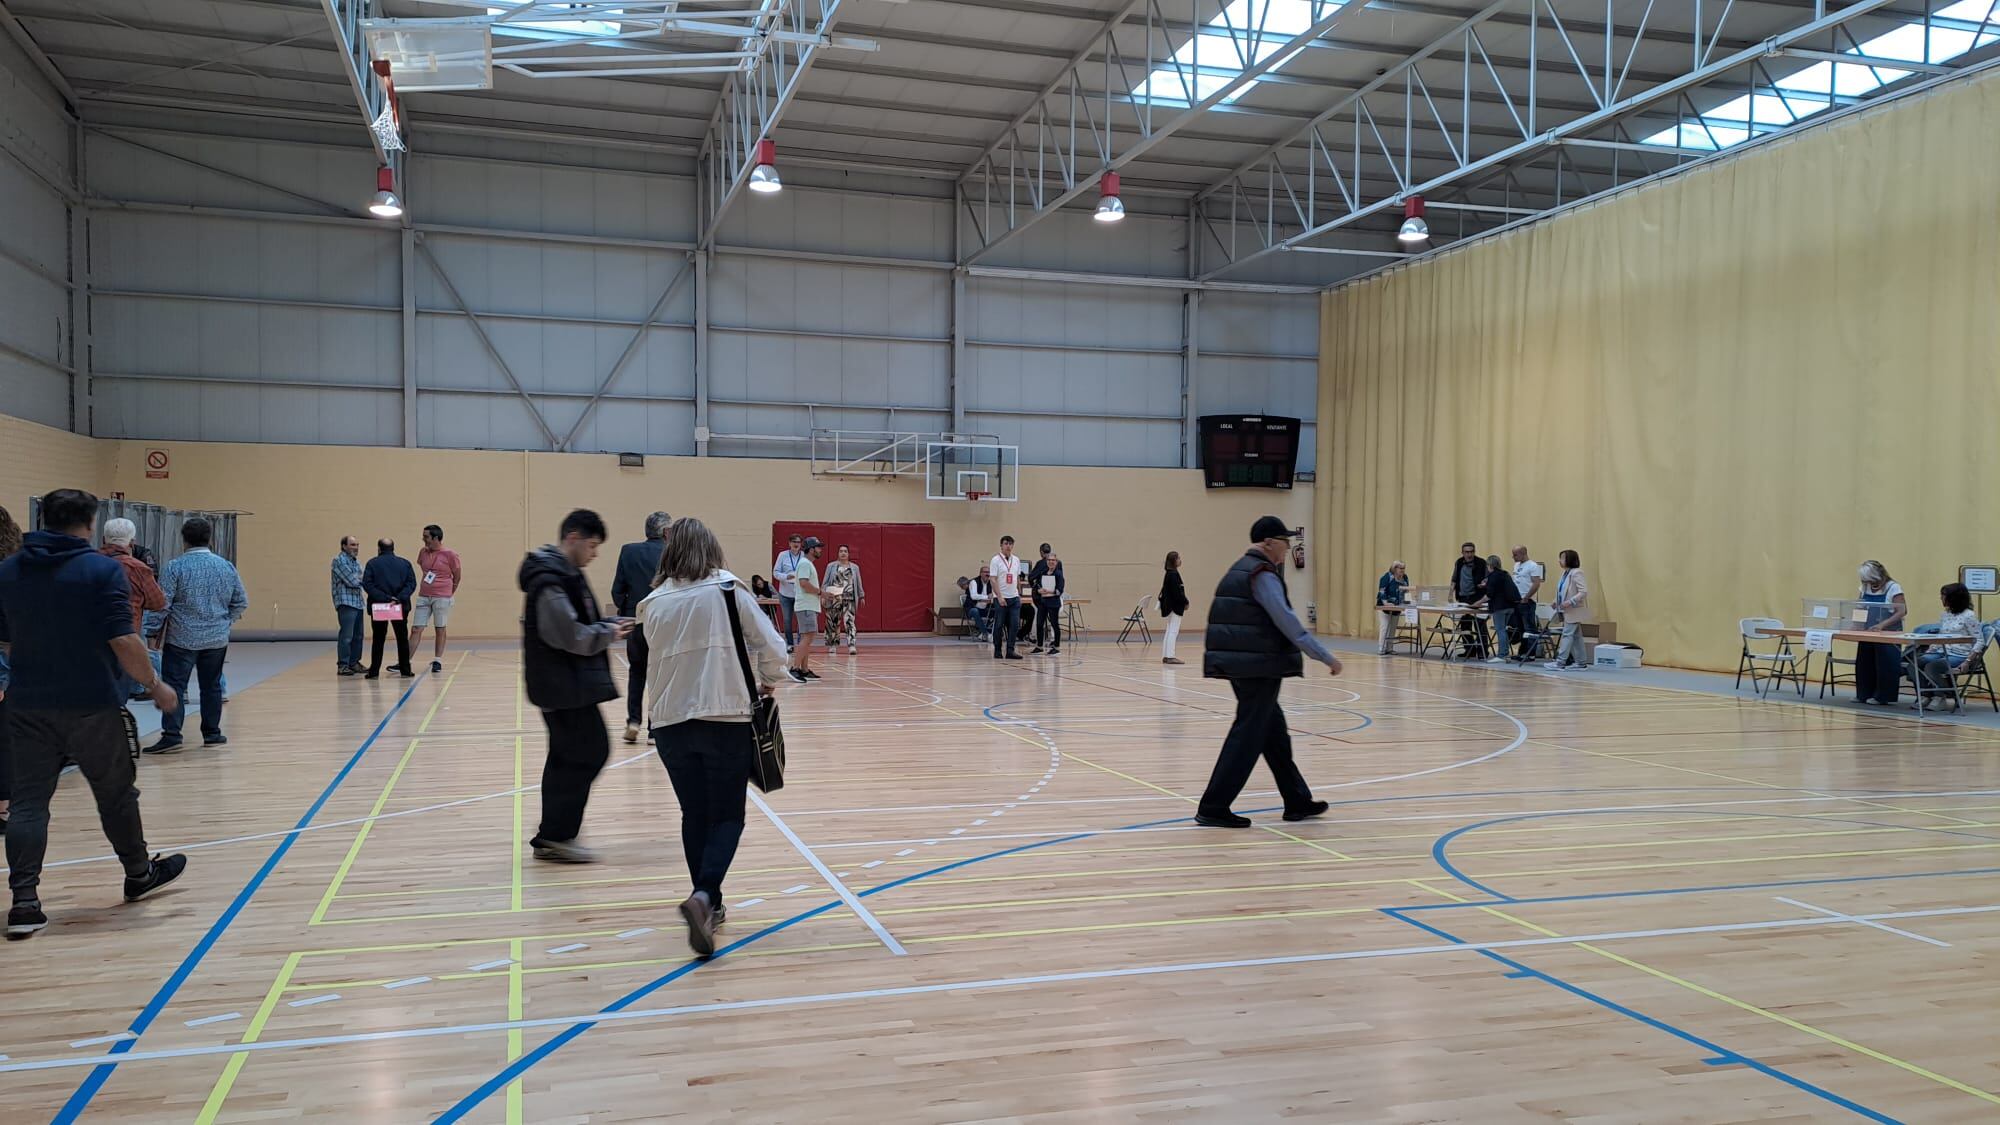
x=350, y=604
x=204, y=597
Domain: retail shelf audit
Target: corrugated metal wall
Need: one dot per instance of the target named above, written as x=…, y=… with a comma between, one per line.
x=37, y=170
x=236, y=297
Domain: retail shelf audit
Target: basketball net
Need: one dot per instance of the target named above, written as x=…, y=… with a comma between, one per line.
x=386, y=133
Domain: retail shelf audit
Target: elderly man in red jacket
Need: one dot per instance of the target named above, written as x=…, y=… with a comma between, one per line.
x=146, y=592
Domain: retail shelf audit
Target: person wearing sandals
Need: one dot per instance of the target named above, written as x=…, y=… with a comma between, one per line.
x=1173, y=604
x=1936, y=663
x=698, y=706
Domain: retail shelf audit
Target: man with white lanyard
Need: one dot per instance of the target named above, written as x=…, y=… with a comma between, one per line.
x=1007, y=573
x=784, y=573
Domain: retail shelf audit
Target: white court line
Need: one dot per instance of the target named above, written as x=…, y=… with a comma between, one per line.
x=839, y=888
x=100, y=1040
x=643, y=1014
x=485, y=965
x=795, y=890
x=570, y=948
x=407, y=982
x=206, y=1020
x=750, y=902
x=629, y=934
x=309, y=1001
x=1864, y=922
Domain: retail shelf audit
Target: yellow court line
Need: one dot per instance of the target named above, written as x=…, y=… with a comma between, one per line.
x=515, y=888
x=514, y=1045
x=360, y=838
x=220, y=1092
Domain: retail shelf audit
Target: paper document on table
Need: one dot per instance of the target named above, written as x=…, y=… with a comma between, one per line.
x=1819, y=640
x=1409, y=617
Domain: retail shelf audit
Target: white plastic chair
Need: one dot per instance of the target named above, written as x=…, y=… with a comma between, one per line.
x=1137, y=620
x=1779, y=666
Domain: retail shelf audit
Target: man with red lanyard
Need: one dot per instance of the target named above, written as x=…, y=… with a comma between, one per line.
x=439, y=566
x=1007, y=573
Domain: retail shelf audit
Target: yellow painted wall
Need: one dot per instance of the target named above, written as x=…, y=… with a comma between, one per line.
x=35, y=459
x=1111, y=526
x=1725, y=390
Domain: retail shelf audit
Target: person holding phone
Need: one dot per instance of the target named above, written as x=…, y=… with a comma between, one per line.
x=566, y=663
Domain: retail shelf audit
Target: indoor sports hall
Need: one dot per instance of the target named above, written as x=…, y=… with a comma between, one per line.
x=1399, y=561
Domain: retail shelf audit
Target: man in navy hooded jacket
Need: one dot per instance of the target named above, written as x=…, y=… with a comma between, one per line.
x=66, y=620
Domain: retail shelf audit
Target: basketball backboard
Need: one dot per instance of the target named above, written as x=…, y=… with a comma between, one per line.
x=968, y=470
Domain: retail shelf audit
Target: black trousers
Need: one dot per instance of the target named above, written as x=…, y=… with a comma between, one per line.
x=6, y=757
x=1048, y=620
x=95, y=741
x=1259, y=731
x=636, y=654
x=1006, y=623
x=578, y=748
x=709, y=764
x=1878, y=672
x=381, y=628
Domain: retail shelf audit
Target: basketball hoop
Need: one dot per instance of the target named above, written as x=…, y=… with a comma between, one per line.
x=975, y=495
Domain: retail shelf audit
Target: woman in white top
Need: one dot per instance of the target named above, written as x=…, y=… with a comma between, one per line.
x=698, y=706
x=1878, y=668
x=1573, y=602
x=1938, y=662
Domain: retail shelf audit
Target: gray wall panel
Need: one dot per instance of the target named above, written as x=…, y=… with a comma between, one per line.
x=485, y=193
x=34, y=392
x=246, y=341
x=816, y=219
x=172, y=410
x=35, y=143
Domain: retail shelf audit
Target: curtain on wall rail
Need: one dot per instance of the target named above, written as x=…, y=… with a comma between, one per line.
x=1725, y=390
x=159, y=529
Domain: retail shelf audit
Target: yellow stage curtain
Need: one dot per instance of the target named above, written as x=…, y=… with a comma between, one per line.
x=1725, y=390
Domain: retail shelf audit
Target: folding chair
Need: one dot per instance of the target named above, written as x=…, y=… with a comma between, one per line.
x=1830, y=676
x=1543, y=641
x=1972, y=678
x=1443, y=633
x=1785, y=664
x=1410, y=632
x=1137, y=620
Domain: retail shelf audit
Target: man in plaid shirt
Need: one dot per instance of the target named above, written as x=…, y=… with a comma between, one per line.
x=204, y=598
x=351, y=606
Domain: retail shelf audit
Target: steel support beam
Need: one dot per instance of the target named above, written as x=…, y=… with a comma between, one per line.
x=1359, y=158
x=83, y=397
x=704, y=297
x=1039, y=162
x=624, y=357
x=754, y=101
x=407, y=254
x=486, y=341
x=40, y=59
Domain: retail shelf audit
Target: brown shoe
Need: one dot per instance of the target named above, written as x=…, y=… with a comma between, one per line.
x=1172, y=660
x=700, y=923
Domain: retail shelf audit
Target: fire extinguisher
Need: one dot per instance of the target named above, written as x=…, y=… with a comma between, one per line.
x=1299, y=549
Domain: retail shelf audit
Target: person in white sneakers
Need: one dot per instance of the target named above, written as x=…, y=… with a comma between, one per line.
x=1007, y=571
x=842, y=601
x=1573, y=602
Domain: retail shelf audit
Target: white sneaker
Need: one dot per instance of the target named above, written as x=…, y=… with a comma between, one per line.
x=1553, y=666
x=850, y=650
x=1496, y=660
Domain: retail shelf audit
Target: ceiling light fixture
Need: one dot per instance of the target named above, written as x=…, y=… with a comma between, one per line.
x=1415, y=229
x=386, y=204
x=764, y=177
x=1110, y=208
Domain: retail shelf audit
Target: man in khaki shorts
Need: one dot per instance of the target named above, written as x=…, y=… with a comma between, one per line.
x=437, y=566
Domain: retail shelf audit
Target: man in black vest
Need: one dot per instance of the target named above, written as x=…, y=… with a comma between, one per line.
x=564, y=641
x=1254, y=641
x=637, y=564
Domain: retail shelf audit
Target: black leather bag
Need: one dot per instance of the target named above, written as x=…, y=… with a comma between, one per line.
x=767, y=771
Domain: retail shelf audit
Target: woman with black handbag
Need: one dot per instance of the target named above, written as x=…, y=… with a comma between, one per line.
x=713, y=656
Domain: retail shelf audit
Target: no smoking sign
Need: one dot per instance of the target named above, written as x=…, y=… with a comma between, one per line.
x=156, y=464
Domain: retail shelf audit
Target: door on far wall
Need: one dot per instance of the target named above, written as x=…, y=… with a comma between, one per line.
x=897, y=562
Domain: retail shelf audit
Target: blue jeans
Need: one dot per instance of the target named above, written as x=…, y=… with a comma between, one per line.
x=175, y=667
x=347, y=649
x=1006, y=623
x=976, y=614
x=788, y=617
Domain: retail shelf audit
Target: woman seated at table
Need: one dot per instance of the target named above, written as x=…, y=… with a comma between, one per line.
x=1391, y=589
x=761, y=588
x=1937, y=663
x=1878, y=668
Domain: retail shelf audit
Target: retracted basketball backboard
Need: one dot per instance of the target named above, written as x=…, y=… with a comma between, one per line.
x=971, y=471
x=434, y=54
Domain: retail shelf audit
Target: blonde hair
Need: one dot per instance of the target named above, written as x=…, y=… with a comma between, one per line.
x=1874, y=573
x=691, y=554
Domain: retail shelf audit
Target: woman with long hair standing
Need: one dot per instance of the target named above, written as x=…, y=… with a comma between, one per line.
x=698, y=705
x=10, y=542
x=1173, y=603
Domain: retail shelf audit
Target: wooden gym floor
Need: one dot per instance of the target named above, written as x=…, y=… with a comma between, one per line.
x=1537, y=898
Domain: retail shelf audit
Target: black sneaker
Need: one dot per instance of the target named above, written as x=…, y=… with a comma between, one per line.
x=437, y=665
x=1306, y=812
x=1055, y=652
x=165, y=869
x=1036, y=651
x=797, y=676
x=218, y=740
x=809, y=674
x=1015, y=656
x=24, y=920
x=1221, y=820
x=165, y=746
x=371, y=674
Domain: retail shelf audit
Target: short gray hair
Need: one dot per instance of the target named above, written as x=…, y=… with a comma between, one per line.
x=656, y=524
x=120, y=531
x=692, y=552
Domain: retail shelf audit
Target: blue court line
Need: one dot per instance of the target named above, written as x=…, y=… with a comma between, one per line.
x=515, y=1069
x=80, y=1100
x=1440, y=846
x=1717, y=1053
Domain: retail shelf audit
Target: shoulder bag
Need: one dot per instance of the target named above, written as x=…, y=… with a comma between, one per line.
x=767, y=769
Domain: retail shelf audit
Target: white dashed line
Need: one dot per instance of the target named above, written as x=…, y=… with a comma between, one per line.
x=206, y=1020
x=749, y=902
x=311, y=1000
x=975, y=824
x=795, y=890
x=407, y=982
x=570, y=948
x=635, y=933
x=103, y=1039
x=485, y=965
x=871, y=863
x=906, y=851
x=956, y=832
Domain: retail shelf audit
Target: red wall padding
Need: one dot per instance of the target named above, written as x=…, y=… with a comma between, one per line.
x=897, y=561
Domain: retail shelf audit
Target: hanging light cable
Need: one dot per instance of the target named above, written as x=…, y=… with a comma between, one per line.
x=1110, y=208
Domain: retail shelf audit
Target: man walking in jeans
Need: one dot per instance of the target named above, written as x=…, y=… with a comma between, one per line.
x=350, y=605
x=1254, y=641
x=66, y=628
x=204, y=598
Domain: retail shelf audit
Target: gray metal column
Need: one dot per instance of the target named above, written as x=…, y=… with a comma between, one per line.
x=1190, y=372
x=82, y=418
x=702, y=298
x=958, y=425
x=409, y=250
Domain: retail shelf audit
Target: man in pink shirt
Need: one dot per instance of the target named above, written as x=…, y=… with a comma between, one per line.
x=437, y=566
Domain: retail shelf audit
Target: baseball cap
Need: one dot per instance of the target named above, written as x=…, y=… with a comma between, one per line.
x=1269, y=527
x=811, y=542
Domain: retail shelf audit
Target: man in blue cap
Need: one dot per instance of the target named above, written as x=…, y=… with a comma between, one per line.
x=1254, y=641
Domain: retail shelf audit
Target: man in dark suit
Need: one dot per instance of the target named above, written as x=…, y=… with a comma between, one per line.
x=637, y=564
x=389, y=577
